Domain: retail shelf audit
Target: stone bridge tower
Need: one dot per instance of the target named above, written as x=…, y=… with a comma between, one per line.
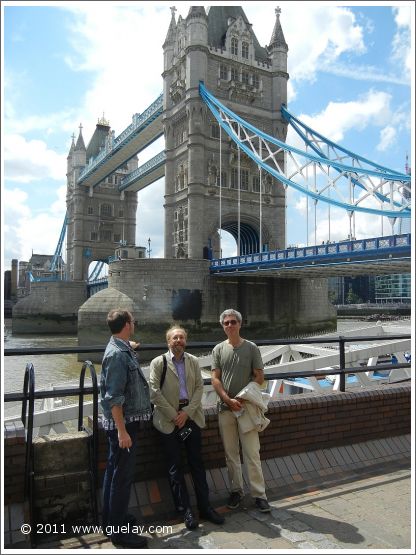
x=99, y=218
x=220, y=48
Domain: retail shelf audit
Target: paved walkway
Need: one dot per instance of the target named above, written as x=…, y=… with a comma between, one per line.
x=369, y=508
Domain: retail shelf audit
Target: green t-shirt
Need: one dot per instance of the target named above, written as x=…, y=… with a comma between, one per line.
x=236, y=365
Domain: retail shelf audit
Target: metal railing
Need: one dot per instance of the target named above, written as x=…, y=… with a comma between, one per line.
x=205, y=345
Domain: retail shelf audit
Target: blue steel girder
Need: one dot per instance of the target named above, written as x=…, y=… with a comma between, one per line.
x=96, y=270
x=266, y=151
x=144, y=175
x=58, y=250
x=143, y=131
x=316, y=141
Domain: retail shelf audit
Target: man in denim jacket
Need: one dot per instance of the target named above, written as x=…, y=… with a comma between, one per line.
x=125, y=400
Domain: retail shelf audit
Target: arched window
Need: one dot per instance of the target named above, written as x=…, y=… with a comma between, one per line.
x=244, y=50
x=234, y=46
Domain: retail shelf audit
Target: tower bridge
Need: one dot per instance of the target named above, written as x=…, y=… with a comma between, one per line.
x=227, y=167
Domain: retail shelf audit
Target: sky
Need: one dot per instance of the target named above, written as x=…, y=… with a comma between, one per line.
x=351, y=73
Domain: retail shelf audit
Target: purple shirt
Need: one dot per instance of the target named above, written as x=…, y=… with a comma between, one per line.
x=180, y=368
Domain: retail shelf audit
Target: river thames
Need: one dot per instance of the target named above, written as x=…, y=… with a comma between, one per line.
x=59, y=369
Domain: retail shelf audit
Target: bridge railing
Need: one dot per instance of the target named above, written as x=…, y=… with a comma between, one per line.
x=378, y=244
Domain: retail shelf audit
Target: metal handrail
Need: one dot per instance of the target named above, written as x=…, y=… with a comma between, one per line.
x=29, y=395
x=197, y=345
x=94, y=456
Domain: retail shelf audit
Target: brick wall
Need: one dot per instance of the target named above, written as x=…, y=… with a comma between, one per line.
x=299, y=423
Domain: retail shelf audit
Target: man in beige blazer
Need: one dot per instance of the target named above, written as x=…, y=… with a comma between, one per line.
x=178, y=416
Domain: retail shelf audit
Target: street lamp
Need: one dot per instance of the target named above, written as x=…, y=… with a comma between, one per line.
x=149, y=250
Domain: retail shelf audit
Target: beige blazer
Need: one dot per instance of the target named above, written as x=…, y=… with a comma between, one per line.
x=166, y=402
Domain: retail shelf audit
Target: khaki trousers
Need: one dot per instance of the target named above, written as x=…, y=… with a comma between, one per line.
x=250, y=443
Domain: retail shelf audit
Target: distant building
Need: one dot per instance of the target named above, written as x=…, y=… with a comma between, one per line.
x=351, y=290
x=39, y=266
x=394, y=288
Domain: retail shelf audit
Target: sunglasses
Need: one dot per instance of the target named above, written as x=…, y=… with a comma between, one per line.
x=230, y=323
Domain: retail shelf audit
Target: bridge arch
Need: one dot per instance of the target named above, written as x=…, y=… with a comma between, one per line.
x=249, y=235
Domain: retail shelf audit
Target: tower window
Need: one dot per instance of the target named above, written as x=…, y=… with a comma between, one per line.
x=94, y=236
x=256, y=183
x=234, y=178
x=106, y=210
x=234, y=46
x=121, y=213
x=106, y=235
x=223, y=71
x=245, y=77
x=90, y=210
x=244, y=180
x=256, y=81
x=234, y=74
x=215, y=131
x=244, y=50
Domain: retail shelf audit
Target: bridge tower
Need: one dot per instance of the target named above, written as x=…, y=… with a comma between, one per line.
x=219, y=47
x=99, y=218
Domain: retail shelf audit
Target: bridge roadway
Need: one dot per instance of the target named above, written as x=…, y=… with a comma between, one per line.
x=379, y=255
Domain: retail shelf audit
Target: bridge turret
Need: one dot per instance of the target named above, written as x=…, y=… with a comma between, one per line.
x=196, y=46
x=278, y=48
x=277, y=51
x=69, y=157
x=79, y=155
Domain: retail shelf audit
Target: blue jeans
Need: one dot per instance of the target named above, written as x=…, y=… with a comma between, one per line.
x=118, y=478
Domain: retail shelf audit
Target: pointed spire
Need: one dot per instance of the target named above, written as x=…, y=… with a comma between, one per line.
x=172, y=27
x=80, y=141
x=278, y=38
x=71, y=150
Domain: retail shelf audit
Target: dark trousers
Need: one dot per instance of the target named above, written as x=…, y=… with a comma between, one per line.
x=172, y=448
x=118, y=477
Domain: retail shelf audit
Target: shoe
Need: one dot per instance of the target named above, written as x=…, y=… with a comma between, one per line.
x=234, y=500
x=262, y=505
x=190, y=521
x=212, y=515
x=133, y=541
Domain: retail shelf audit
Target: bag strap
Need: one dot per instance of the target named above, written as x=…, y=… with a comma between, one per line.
x=163, y=376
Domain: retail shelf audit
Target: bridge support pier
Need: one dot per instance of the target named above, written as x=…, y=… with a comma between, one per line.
x=160, y=292
x=50, y=308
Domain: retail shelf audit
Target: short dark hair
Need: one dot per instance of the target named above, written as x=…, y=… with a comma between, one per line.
x=117, y=319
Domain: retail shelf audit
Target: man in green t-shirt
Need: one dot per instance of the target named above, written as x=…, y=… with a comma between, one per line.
x=235, y=363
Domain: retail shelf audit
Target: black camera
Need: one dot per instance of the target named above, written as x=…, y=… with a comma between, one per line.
x=184, y=433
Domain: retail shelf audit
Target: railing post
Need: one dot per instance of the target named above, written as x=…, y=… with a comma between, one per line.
x=342, y=363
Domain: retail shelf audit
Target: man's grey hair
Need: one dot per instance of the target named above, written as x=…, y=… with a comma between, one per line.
x=231, y=312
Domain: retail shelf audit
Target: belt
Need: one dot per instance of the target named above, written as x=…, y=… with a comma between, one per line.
x=183, y=402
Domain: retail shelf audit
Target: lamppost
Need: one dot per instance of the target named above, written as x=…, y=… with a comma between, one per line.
x=149, y=250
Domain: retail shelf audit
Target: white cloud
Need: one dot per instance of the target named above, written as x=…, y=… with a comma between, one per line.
x=26, y=161
x=301, y=205
x=338, y=227
x=387, y=137
x=373, y=108
x=26, y=231
x=401, y=54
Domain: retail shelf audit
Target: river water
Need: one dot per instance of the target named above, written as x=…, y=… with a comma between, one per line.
x=59, y=369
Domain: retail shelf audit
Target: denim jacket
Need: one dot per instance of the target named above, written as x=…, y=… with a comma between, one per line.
x=122, y=381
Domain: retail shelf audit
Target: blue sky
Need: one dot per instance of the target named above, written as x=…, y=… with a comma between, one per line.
x=351, y=69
